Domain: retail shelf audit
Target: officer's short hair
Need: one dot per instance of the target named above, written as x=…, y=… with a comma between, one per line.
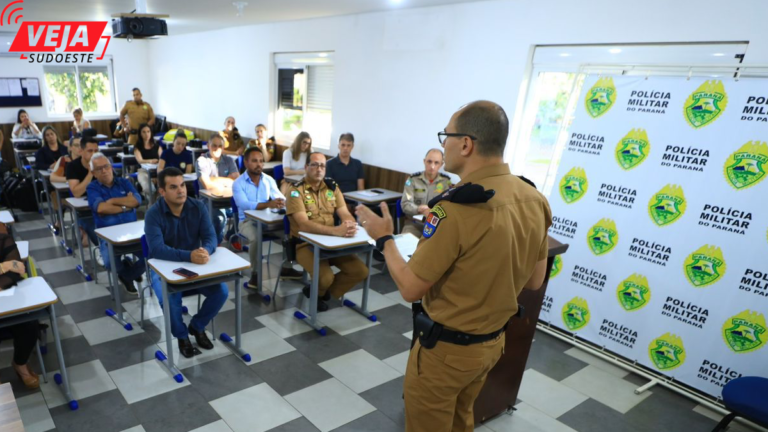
x=250, y=150
x=180, y=133
x=168, y=172
x=434, y=150
x=88, y=140
x=136, y=89
x=309, y=156
x=347, y=136
x=487, y=122
x=216, y=135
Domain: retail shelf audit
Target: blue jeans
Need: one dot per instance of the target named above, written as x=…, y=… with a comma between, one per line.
x=89, y=226
x=215, y=297
x=130, y=273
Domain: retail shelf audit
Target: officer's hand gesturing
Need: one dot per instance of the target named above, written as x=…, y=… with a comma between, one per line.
x=374, y=225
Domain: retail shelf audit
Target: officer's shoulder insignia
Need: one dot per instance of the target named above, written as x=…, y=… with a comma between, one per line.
x=465, y=194
x=525, y=179
x=299, y=184
x=295, y=194
x=416, y=174
x=445, y=176
x=432, y=220
x=331, y=183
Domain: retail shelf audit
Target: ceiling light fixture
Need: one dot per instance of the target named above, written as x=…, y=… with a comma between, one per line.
x=614, y=50
x=240, y=6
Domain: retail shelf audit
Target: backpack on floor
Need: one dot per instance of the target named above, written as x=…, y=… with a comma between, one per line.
x=23, y=197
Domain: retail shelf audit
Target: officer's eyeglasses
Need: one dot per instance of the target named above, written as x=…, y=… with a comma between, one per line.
x=317, y=165
x=441, y=136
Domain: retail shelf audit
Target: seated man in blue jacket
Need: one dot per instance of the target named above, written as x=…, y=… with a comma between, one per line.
x=180, y=229
x=113, y=201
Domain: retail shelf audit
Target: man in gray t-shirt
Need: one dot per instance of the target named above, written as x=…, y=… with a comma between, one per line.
x=216, y=173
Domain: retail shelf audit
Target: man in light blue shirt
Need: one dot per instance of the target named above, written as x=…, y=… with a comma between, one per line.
x=257, y=191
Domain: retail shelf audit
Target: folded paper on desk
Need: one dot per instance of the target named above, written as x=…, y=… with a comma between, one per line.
x=406, y=244
x=368, y=193
x=8, y=292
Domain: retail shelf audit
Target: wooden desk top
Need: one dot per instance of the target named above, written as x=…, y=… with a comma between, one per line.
x=10, y=418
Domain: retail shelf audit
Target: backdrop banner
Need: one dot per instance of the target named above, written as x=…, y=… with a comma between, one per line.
x=662, y=194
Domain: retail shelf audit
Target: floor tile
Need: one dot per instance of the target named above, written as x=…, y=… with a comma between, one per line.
x=225, y=321
x=34, y=413
x=67, y=328
x=287, y=288
x=388, y=399
x=290, y=372
x=301, y=424
x=76, y=351
x=263, y=344
x=546, y=356
x=85, y=380
x=49, y=253
x=396, y=297
x=343, y=404
x=383, y=284
x=34, y=234
x=481, y=428
x=106, y=329
x=548, y=395
x=381, y=341
x=69, y=277
x=667, y=410
x=408, y=335
x=255, y=409
x=344, y=321
x=735, y=426
x=220, y=377
x=81, y=291
x=180, y=410
x=128, y=351
x=31, y=225
x=398, y=318
x=57, y=264
x=106, y=409
x=138, y=428
x=526, y=418
x=373, y=422
x=283, y=323
x=145, y=380
x=360, y=371
x=42, y=243
x=90, y=309
x=592, y=416
x=219, y=350
x=217, y=426
x=321, y=348
x=605, y=388
x=398, y=362
x=597, y=362
x=376, y=301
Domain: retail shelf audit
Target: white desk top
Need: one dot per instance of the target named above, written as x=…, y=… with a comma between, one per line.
x=122, y=234
x=77, y=203
x=333, y=242
x=31, y=159
x=25, y=139
x=271, y=164
x=6, y=217
x=264, y=216
x=222, y=262
x=23, y=152
x=294, y=178
x=100, y=136
x=406, y=244
x=190, y=177
x=125, y=156
x=29, y=294
x=60, y=186
x=149, y=166
x=23, y=247
x=369, y=197
x=45, y=173
x=418, y=218
x=210, y=195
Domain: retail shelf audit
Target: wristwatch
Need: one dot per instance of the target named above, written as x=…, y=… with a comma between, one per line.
x=381, y=241
x=125, y=209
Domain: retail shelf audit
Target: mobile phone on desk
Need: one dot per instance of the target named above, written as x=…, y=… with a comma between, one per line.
x=189, y=274
x=377, y=191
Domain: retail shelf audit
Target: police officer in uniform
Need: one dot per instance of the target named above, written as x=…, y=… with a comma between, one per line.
x=421, y=187
x=311, y=207
x=484, y=241
x=139, y=112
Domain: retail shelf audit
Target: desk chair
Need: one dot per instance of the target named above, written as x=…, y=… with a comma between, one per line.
x=278, y=174
x=398, y=215
x=289, y=252
x=745, y=397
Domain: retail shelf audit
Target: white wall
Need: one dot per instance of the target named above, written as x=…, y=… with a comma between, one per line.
x=401, y=74
x=129, y=67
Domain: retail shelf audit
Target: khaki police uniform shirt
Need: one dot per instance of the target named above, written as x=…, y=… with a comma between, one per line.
x=481, y=255
x=320, y=205
x=232, y=144
x=137, y=114
x=418, y=190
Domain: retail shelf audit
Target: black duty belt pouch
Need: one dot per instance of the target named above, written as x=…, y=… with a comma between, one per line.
x=427, y=330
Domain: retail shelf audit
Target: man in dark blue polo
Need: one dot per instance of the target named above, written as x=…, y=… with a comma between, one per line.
x=346, y=170
x=180, y=229
x=113, y=201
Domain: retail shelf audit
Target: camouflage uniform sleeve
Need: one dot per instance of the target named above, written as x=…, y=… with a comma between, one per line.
x=408, y=204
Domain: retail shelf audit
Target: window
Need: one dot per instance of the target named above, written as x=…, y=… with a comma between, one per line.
x=304, y=97
x=88, y=87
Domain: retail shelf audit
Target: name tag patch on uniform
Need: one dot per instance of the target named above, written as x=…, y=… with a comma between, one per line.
x=309, y=201
x=433, y=220
x=329, y=194
x=439, y=187
x=294, y=194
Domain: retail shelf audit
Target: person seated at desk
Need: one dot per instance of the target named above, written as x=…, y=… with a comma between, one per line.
x=58, y=172
x=80, y=124
x=255, y=190
x=295, y=158
x=24, y=335
x=179, y=229
x=233, y=142
x=421, y=187
x=138, y=112
x=346, y=170
x=113, y=201
x=178, y=157
x=121, y=131
x=312, y=205
x=146, y=151
x=267, y=145
x=79, y=176
x=51, y=151
x=24, y=127
x=216, y=173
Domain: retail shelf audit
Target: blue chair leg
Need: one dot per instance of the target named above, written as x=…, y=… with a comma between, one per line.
x=724, y=423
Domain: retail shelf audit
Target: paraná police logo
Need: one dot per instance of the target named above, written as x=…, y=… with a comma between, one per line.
x=574, y=185
x=705, y=104
x=705, y=266
x=576, y=314
x=601, y=97
x=667, y=205
x=633, y=149
x=745, y=332
x=557, y=265
x=603, y=237
x=667, y=352
x=633, y=292
x=746, y=166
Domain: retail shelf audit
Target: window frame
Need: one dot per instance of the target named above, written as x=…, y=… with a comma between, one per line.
x=77, y=70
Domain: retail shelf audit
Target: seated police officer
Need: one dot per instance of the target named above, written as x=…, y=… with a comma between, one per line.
x=312, y=205
x=179, y=229
x=421, y=187
x=113, y=201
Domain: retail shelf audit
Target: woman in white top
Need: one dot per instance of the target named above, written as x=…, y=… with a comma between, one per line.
x=80, y=122
x=24, y=127
x=295, y=158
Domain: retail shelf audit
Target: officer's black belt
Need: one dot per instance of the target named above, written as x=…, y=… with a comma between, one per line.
x=461, y=338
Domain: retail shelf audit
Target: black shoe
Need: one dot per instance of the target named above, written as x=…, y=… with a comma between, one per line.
x=253, y=282
x=322, y=306
x=129, y=286
x=201, y=338
x=187, y=349
x=290, y=273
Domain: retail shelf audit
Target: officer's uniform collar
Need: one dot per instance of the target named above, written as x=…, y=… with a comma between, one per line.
x=485, y=172
x=319, y=188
